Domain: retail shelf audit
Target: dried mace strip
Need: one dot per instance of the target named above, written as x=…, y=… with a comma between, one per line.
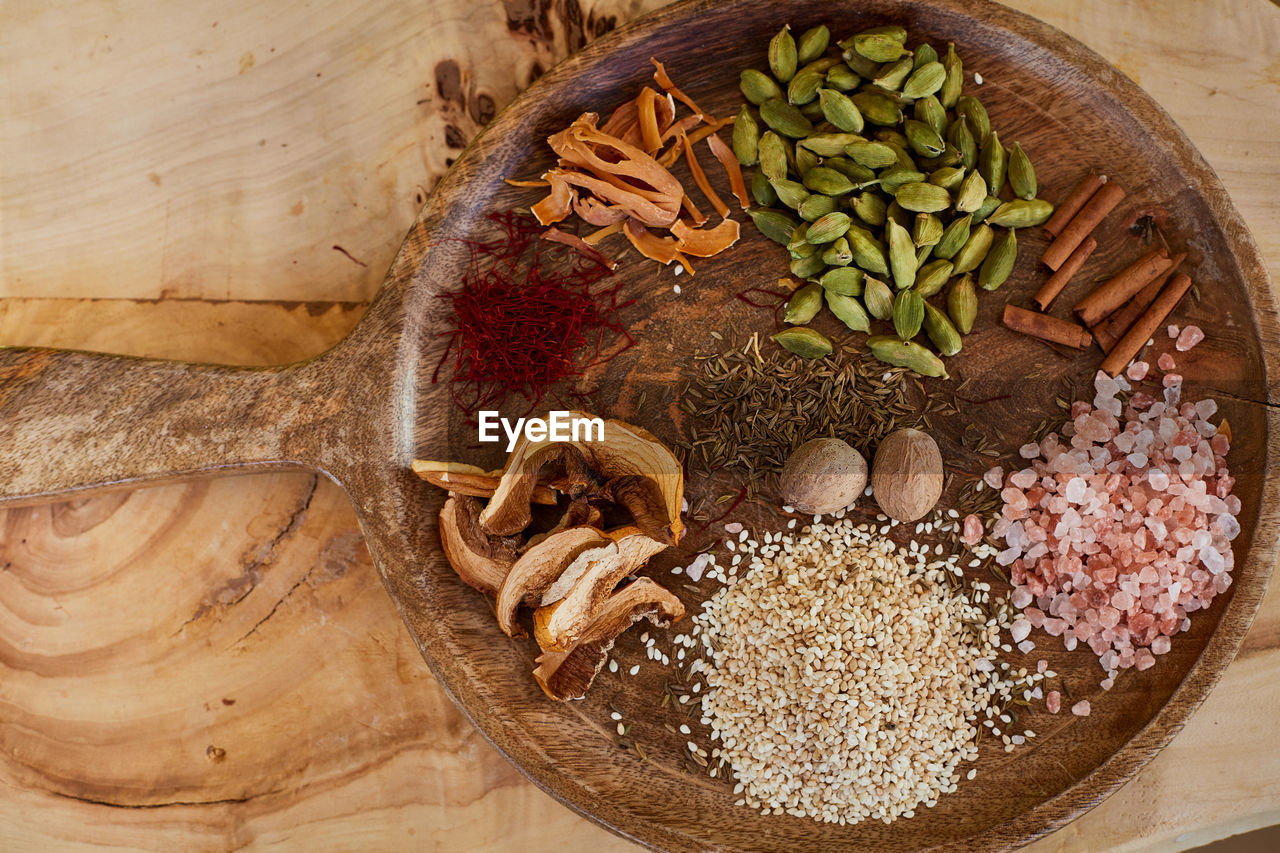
x=876, y=137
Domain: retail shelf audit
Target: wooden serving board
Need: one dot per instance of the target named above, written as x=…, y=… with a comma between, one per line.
x=112, y=789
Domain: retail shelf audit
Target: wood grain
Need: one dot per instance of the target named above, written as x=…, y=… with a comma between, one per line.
x=1147, y=45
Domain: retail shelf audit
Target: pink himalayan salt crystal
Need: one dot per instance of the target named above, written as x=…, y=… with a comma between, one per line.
x=972, y=530
x=1121, y=566
x=994, y=477
x=1173, y=331
x=1190, y=336
x=733, y=528
x=1172, y=380
x=1165, y=361
x=1137, y=371
x=1081, y=708
x=1053, y=701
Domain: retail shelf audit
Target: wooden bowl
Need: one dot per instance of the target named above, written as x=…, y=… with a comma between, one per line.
x=72, y=422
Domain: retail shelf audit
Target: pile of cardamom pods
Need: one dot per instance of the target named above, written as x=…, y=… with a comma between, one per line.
x=872, y=167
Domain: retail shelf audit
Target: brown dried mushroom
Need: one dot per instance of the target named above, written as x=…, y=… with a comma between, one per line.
x=577, y=595
x=481, y=560
x=540, y=566
x=567, y=674
x=472, y=480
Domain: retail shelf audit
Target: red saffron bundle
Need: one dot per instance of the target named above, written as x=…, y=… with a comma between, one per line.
x=530, y=313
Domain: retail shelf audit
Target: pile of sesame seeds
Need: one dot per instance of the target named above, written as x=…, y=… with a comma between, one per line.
x=848, y=678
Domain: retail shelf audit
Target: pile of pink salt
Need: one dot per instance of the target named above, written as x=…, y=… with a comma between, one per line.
x=1121, y=526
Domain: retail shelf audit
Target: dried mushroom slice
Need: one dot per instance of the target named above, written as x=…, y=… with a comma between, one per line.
x=626, y=453
x=565, y=675
x=472, y=480
x=542, y=564
x=481, y=560
x=575, y=598
x=508, y=511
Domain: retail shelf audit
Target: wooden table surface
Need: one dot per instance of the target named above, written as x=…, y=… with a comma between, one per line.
x=215, y=665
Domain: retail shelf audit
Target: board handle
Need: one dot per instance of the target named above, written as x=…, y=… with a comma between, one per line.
x=74, y=422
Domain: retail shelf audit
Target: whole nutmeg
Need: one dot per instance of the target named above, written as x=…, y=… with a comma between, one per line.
x=906, y=475
x=823, y=475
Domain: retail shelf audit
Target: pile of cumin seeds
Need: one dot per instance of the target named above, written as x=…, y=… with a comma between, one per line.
x=746, y=411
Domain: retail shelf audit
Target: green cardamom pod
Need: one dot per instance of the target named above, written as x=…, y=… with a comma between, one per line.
x=813, y=111
x=930, y=111
x=924, y=54
x=789, y=192
x=762, y=190
x=774, y=224
x=820, y=179
x=895, y=140
x=848, y=311
x=758, y=87
x=855, y=172
x=816, y=206
x=928, y=229
x=976, y=116
x=837, y=254
x=828, y=228
x=941, y=332
x=822, y=66
x=838, y=109
x=988, y=207
x=962, y=304
x=878, y=47
x=804, y=342
x=873, y=155
x=805, y=160
x=922, y=138
x=922, y=197
x=858, y=64
x=900, y=353
x=902, y=255
x=870, y=208
x=974, y=250
x=908, y=314
x=925, y=80
x=842, y=78
x=894, y=179
x=812, y=44
x=808, y=267
x=905, y=218
x=1022, y=175
x=894, y=74
x=746, y=137
x=1021, y=213
x=801, y=251
x=949, y=158
x=950, y=91
x=783, y=57
x=878, y=298
x=954, y=237
x=973, y=192
x=785, y=119
x=991, y=163
x=877, y=108
x=803, y=305
x=803, y=87
x=933, y=276
x=772, y=154
x=868, y=252
x=948, y=177
x=999, y=261
x=894, y=31
x=846, y=281
x=797, y=245
x=829, y=144
x=922, y=255
x=961, y=137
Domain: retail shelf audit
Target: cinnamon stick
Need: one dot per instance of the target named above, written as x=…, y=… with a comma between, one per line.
x=1114, y=328
x=1046, y=328
x=1069, y=268
x=1141, y=331
x=1082, y=224
x=1084, y=191
x=1118, y=290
